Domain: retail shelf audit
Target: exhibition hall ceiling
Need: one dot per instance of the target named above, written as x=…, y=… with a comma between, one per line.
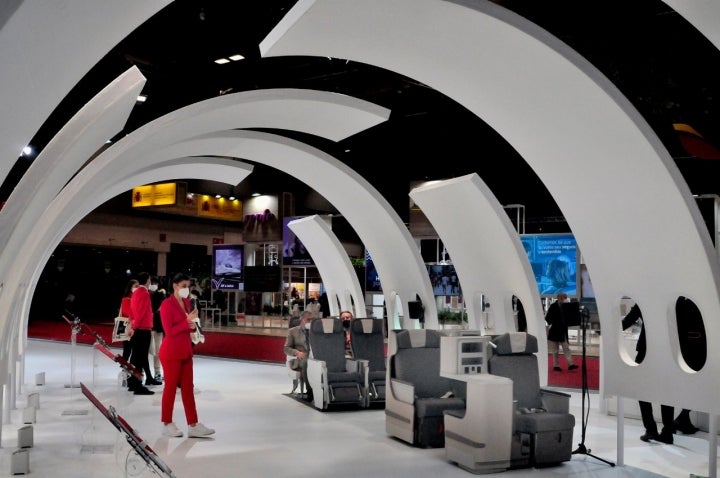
x=662, y=64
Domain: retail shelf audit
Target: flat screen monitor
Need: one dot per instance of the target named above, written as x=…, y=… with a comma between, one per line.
x=262, y=278
x=227, y=266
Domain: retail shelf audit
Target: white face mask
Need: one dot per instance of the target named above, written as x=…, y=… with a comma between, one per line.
x=307, y=326
x=184, y=292
x=153, y=287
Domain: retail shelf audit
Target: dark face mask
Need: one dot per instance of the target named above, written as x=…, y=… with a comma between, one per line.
x=346, y=324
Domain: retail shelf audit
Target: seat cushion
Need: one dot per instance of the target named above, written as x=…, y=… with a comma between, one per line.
x=376, y=375
x=339, y=377
x=543, y=422
x=434, y=407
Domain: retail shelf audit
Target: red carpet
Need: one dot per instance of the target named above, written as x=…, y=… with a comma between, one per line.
x=573, y=378
x=217, y=344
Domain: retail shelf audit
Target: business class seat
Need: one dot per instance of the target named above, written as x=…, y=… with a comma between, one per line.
x=543, y=425
x=333, y=378
x=368, y=346
x=417, y=394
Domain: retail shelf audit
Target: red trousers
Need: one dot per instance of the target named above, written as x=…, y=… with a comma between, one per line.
x=178, y=372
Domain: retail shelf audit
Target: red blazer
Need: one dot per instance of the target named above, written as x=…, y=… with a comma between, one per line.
x=125, y=309
x=176, y=342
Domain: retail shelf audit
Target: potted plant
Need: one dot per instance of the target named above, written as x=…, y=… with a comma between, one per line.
x=455, y=319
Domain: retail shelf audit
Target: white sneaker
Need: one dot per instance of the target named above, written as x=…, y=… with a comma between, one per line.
x=199, y=430
x=171, y=430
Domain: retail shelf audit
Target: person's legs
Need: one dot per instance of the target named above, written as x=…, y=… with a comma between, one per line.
x=140, y=344
x=568, y=355
x=154, y=349
x=553, y=348
x=142, y=350
x=127, y=349
x=683, y=424
x=648, y=420
x=186, y=391
x=134, y=382
x=308, y=388
x=666, y=435
x=172, y=377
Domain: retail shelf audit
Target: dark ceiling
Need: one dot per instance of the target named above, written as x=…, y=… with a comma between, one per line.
x=660, y=62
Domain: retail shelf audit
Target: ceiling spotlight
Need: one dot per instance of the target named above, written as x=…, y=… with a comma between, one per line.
x=141, y=98
x=218, y=196
x=222, y=61
x=232, y=198
x=236, y=57
x=27, y=151
x=255, y=195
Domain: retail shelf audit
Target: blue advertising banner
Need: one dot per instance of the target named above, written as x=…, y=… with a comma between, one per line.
x=554, y=260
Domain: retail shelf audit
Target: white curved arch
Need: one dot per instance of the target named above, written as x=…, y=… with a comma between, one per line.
x=44, y=52
x=487, y=253
x=258, y=108
x=333, y=263
x=100, y=119
x=86, y=132
x=328, y=115
x=57, y=220
x=560, y=114
x=348, y=192
x=702, y=14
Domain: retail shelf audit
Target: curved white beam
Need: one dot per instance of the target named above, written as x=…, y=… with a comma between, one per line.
x=582, y=138
x=333, y=263
x=69, y=208
x=86, y=132
x=487, y=254
x=704, y=15
x=44, y=52
x=239, y=110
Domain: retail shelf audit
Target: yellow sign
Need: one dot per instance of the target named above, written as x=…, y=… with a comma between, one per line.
x=155, y=195
x=219, y=208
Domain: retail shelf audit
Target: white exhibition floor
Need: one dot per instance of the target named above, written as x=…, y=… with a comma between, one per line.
x=262, y=433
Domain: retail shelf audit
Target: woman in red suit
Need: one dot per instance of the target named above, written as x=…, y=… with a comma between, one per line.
x=176, y=357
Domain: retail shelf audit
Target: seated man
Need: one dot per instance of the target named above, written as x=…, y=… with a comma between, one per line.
x=346, y=316
x=297, y=345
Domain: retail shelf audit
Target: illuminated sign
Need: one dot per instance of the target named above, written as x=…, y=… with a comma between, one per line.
x=219, y=208
x=155, y=195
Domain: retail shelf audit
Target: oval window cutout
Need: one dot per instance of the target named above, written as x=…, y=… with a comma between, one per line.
x=691, y=333
x=520, y=319
x=633, y=343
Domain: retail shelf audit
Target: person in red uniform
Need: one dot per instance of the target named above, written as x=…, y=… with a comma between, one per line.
x=176, y=357
x=125, y=311
x=141, y=319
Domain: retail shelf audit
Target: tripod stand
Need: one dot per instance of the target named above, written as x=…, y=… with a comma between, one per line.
x=582, y=449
